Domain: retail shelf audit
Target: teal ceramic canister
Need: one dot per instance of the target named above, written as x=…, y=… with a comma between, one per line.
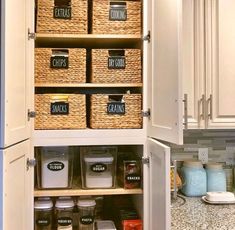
x=194, y=178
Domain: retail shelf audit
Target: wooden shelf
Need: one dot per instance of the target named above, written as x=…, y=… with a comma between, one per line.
x=88, y=40
x=81, y=192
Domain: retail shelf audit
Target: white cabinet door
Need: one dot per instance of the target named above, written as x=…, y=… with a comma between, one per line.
x=159, y=185
x=16, y=205
x=165, y=71
x=220, y=56
x=16, y=66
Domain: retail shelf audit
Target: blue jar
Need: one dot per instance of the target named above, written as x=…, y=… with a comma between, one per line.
x=216, y=178
x=194, y=178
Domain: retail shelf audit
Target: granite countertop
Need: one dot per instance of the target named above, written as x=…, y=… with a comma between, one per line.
x=195, y=214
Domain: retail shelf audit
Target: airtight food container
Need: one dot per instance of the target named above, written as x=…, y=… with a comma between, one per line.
x=55, y=167
x=43, y=214
x=105, y=225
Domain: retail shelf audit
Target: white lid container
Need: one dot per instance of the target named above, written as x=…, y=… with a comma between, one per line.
x=101, y=158
x=86, y=203
x=105, y=225
x=43, y=204
x=64, y=202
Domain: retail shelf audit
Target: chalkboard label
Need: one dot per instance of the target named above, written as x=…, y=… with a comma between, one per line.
x=117, y=13
x=59, y=62
x=59, y=108
x=62, y=12
x=86, y=220
x=116, y=108
x=64, y=221
x=43, y=222
x=133, y=178
x=98, y=167
x=116, y=63
x=55, y=166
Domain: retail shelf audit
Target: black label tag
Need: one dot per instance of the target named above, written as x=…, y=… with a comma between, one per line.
x=118, y=14
x=62, y=12
x=59, y=108
x=43, y=222
x=59, y=62
x=98, y=167
x=116, y=108
x=116, y=62
x=133, y=178
x=86, y=220
x=55, y=166
x=64, y=221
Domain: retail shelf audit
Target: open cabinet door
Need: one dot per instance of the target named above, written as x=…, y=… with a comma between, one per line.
x=164, y=70
x=159, y=185
x=16, y=70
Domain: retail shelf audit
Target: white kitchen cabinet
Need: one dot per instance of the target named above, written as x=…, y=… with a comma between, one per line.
x=208, y=70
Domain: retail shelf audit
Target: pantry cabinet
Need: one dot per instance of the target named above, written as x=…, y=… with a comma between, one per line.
x=207, y=63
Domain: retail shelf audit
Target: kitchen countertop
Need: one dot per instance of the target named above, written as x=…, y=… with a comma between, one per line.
x=196, y=215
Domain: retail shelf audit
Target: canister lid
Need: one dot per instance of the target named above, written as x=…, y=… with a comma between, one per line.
x=86, y=203
x=214, y=166
x=43, y=204
x=92, y=158
x=105, y=225
x=64, y=202
x=193, y=164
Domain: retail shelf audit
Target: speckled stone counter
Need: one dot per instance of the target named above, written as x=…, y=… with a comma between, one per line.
x=196, y=214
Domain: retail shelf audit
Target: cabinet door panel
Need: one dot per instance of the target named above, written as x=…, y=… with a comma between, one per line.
x=220, y=44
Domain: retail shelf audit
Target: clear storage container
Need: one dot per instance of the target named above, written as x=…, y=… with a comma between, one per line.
x=64, y=213
x=43, y=214
x=54, y=167
x=105, y=225
x=86, y=210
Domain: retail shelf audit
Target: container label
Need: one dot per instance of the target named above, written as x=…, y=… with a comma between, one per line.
x=62, y=12
x=55, y=166
x=116, y=108
x=59, y=62
x=59, y=108
x=116, y=63
x=86, y=220
x=43, y=222
x=64, y=221
x=118, y=14
x=98, y=167
x=133, y=178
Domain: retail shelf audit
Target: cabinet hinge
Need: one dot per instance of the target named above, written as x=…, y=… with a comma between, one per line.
x=31, y=114
x=147, y=37
x=145, y=160
x=146, y=113
x=31, y=35
x=30, y=163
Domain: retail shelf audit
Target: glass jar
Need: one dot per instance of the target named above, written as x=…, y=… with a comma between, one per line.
x=43, y=214
x=64, y=213
x=216, y=178
x=194, y=178
x=86, y=209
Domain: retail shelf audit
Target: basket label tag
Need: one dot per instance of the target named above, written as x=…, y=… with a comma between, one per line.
x=59, y=108
x=55, y=166
x=116, y=108
x=118, y=14
x=43, y=222
x=98, y=167
x=62, y=12
x=116, y=63
x=64, y=221
x=59, y=62
x=86, y=220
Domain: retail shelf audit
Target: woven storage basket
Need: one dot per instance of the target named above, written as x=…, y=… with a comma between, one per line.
x=100, y=119
x=75, y=119
x=46, y=23
x=126, y=70
x=101, y=23
x=75, y=73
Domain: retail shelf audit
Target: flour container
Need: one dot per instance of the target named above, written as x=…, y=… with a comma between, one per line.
x=55, y=167
x=43, y=214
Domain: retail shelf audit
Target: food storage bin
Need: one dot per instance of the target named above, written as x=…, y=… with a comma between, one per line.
x=98, y=167
x=116, y=17
x=43, y=214
x=66, y=17
x=86, y=210
x=116, y=66
x=105, y=225
x=64, y=213
x=54, y=167
x=60, y=111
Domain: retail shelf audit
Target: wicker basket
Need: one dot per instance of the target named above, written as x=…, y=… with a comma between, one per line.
x=48, y=118
x=47, y=23
x=101, y=119
x=74, y=73
x=116, y=66
x=104, y=23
